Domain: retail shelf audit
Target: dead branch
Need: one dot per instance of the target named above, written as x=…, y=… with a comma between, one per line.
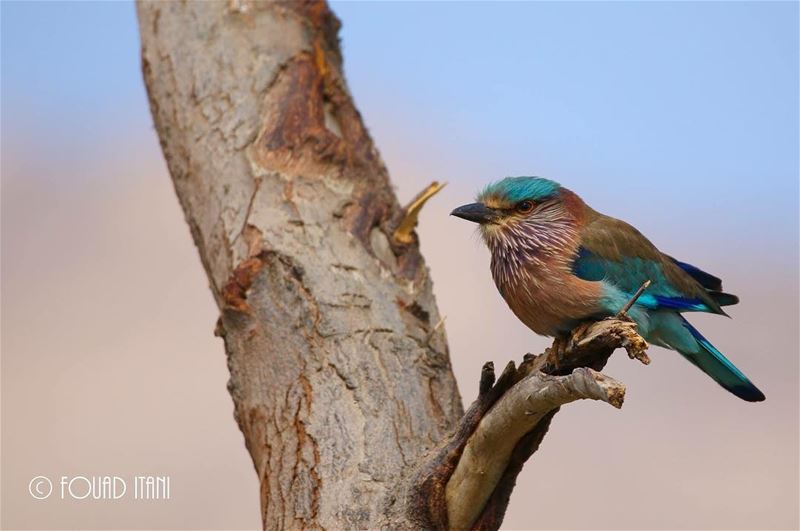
x=518, y=411
x=633, y=299
x=405, y=230
x=466, y=484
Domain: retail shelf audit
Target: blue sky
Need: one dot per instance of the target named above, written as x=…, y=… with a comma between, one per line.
x=665, y=99
x=691, y=108
x=79, y=60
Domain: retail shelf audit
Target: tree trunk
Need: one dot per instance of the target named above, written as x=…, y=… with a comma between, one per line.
x=340, y=374
x=339, y=379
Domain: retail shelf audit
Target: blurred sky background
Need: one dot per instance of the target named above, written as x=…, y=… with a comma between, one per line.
x=681, y=118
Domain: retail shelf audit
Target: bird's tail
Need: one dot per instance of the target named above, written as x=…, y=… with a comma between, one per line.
x=697, y=349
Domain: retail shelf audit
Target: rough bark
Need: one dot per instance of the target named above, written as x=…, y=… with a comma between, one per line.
x=340, y=373
x=337, y=380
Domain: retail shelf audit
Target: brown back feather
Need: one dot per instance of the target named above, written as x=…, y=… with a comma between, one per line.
x=613, y=239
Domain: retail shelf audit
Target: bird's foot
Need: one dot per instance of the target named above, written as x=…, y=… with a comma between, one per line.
x=557, y=351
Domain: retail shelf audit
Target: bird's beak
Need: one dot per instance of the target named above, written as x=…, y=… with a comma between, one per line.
x=477, y=212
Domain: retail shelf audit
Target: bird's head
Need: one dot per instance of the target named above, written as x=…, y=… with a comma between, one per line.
x=528, y=213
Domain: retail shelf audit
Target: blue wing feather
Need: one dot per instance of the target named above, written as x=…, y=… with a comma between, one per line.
x=630, y=273
x=710, y=282
x=707, y=280
x=681, y=304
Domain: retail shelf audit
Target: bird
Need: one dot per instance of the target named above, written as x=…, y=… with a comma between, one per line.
x=558, y=263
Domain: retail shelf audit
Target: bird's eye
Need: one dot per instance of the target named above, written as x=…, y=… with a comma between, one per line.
x=524, y=206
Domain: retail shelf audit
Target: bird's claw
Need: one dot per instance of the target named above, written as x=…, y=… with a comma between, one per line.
x=558, y=350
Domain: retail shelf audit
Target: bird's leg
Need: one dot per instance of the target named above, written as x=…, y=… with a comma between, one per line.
x=558, y=350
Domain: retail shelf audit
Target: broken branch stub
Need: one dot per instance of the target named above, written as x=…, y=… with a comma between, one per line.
x=518, y=411
x=405, y=229
x=505, y=425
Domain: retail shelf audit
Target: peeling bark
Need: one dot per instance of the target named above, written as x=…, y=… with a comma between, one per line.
x=339, y=368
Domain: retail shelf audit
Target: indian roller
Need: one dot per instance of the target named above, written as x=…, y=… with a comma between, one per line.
x=557, y=263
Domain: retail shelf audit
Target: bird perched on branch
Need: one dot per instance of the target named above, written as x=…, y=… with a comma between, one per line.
x=557, y=262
